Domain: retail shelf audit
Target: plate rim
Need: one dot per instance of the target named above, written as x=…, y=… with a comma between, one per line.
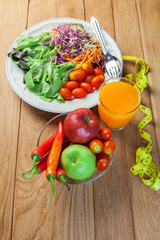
x=35, y=26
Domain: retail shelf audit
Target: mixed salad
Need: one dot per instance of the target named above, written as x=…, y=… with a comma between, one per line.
x=47, y=59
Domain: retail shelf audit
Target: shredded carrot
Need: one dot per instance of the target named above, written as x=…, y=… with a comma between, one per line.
x=84, y=59
x=91, y=55
x=55, y=31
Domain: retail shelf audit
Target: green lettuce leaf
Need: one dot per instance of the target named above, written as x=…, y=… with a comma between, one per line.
x=24, y=41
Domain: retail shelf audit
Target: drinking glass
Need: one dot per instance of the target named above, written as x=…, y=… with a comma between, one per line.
x=125, y=97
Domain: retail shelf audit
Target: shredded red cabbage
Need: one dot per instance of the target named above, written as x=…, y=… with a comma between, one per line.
x=72, y=40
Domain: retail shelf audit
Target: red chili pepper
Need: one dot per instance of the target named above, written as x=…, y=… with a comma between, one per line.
x=53, y=157
x=41, y=151
x=39, y=168
x=62, y=176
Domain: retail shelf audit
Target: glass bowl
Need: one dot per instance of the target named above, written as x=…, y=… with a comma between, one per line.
x=51, y=127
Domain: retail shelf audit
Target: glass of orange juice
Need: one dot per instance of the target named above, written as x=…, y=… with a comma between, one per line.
x=119, y=100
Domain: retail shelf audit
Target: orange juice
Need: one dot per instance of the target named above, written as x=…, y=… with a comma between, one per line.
x=119, y=101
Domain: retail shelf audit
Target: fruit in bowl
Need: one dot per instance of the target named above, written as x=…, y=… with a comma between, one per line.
x=51, y=128
x=78, y=161
x=81, y=125
x=61, y=158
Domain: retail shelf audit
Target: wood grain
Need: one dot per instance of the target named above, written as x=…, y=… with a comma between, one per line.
x=78, y=216
x=13, y=13
x=149, y=26
x=38, y=220
x=112, y=204
x=146, y=222
x=41, y=10
x=104, y=14
x=70, y=9
x=118, y=206
x=29, y=208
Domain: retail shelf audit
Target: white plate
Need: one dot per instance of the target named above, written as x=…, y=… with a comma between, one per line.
x=15, y=74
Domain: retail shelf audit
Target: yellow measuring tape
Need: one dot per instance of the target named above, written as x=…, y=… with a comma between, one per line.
x=144, y=164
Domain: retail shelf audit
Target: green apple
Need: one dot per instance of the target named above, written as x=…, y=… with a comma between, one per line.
x=78, y=161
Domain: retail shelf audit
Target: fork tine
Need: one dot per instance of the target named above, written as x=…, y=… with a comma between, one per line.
x=112, y=69
x=116, y=71
x=118, y=68
x=112, y=72
x=107, y=72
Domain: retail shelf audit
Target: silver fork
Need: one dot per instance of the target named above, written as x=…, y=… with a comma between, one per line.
x=111, y=64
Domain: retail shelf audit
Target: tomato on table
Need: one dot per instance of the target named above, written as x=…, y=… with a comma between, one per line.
x=97, y=81
x=98, y=71
x=105, y=133
x=72, y=85
x=87, y=87
x=77, y=75
x=79, y=93
x=87, y=67
x=96, y=146
x=66, y=93
x=109, y=146
x=102, y=164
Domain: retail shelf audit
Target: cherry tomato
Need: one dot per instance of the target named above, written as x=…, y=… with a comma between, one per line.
x=98, y=71
x=87, y=67
x=72, y=85
x=79, y=92
x=101, y=155
x=102, y=164
x=105, y=133
x=77, y=75
x=109, y=146
x=97, y=81
x=96, y=146
x=89, y=78
x=87, y=87
x=66, y=93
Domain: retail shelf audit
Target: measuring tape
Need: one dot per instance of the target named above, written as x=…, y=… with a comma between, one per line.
x=144, y=164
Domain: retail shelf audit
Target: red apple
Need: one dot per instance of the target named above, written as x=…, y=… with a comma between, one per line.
x=81, y=125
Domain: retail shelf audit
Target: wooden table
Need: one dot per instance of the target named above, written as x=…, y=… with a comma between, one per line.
x=117, y=206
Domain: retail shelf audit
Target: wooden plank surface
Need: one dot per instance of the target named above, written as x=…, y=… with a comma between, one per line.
x=145, y=222
x=30, y=196
x=150, y=34
x=116, y=206
x=29, y=208
x=112, y=205
x=13, y=13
